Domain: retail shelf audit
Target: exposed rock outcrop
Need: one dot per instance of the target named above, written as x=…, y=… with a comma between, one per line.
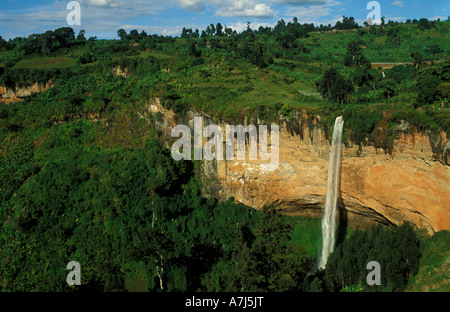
x=8, y=95
x=118, y=71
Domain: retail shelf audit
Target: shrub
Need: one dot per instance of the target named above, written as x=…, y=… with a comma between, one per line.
x=197, y=62
x=86, y=58
x=443, y=90
x=285, y=110
x=334, y=87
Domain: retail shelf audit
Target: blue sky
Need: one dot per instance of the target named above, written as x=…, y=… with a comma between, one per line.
x=102, y=18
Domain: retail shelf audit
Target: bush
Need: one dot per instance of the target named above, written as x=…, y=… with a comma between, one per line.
x=334, y=87
x=400, y=73
x=426, y=86
x=285, y=110
x=197, y=62
x=443, y=90
x=86, y=58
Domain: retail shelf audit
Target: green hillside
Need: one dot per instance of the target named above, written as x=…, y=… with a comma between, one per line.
x=84, y=174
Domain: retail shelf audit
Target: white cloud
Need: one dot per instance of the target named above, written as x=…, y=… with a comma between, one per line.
x=244, y=8
x=398, y=3
x=100, y=17
x=173, y=30
x=435, y=18
x=103, y=3
x=193, y=5
x=241, y=26
x=396, y=18
x=299, y=2
x=313, y=13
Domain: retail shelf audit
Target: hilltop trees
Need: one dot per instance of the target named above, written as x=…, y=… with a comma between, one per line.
x=287, y=34
x=48, y=42
x=64, y=36
x=81, y=36
x=425, y=24
x=122, y=34
x=3, y=44
x=347, y=23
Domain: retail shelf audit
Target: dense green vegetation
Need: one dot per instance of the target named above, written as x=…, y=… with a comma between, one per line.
x=83, y=176
x=397, y=250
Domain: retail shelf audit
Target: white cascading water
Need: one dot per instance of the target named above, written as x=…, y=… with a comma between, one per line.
x=328, y=220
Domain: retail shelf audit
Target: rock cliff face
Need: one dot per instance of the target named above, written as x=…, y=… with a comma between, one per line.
x=8, y=95
x=411, y=184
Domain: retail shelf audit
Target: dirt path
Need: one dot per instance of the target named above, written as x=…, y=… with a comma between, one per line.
x=390, y=65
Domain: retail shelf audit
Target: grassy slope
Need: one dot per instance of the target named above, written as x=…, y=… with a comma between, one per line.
x=46, y=63
x=307, y=234
x=434, y=266
x=379, y=48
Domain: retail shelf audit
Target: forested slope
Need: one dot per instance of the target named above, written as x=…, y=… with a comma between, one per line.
x=83, y=177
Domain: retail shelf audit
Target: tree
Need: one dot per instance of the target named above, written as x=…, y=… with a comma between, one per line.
x=81, y=35
x=387, y=87
x=397, y=250
x=418, y=59
x=134, y=35
x=184, y=33
x=255, y=54
x=286, y=40
x=347, y=23
x=196, y=33
x=425, y=24
x=400, y=73
x=46, y=42
x=192, y=49
x=64, y=36
x=427, y=82
x=209, y=31
x=228, y=31
x=31, y=44
x=122, y=34
x=362, y=77
x=219, y=29
x=281, y=266
x=443, y=90
x=3, y=44
x=334, y=87
x=354, y=56
x=433, y=49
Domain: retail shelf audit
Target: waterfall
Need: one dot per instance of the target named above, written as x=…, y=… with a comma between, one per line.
x=328, y=220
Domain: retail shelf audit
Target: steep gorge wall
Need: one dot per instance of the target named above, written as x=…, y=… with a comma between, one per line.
x=411, y=184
